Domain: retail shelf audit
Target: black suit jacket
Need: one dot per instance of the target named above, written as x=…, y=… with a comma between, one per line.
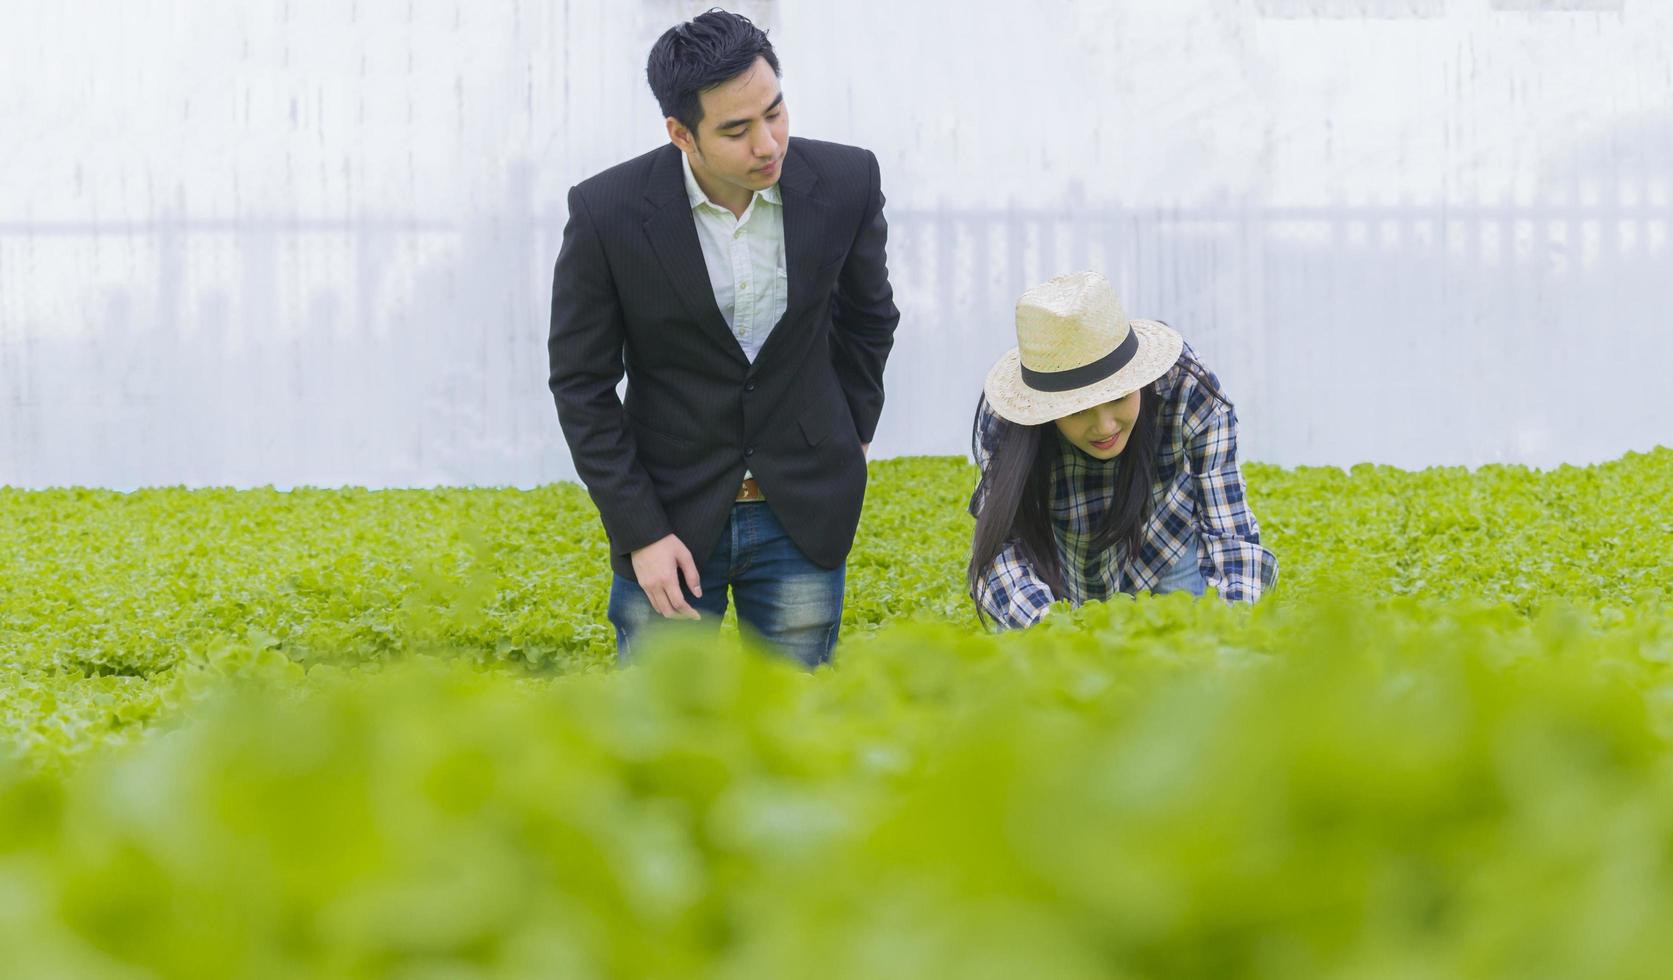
x=631, y=293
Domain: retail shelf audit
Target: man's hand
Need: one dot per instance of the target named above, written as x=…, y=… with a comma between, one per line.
x=658, y=567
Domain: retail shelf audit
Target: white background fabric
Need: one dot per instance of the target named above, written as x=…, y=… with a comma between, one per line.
x=310, y=242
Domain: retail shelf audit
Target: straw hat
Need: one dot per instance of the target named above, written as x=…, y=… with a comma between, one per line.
x=1076, y=348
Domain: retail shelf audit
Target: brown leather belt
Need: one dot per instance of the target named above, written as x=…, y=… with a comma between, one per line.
x=749, y=493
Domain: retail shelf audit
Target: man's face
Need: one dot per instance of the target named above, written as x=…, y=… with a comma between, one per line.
x=1102, y=431
x=745, y=129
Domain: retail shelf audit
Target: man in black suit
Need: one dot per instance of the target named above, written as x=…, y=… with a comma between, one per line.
x=738, y=278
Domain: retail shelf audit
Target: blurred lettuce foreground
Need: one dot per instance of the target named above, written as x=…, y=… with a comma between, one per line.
x=348, y=734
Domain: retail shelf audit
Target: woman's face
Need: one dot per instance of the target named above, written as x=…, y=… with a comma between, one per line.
x=1102, y=430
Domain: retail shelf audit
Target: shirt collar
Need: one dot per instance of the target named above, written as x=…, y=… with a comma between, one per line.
x=695, y=194
x=1166, y=384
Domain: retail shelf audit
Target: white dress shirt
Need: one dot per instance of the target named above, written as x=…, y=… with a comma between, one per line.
x=745, y=257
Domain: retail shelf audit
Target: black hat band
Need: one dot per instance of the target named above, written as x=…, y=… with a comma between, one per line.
x=1086, y=374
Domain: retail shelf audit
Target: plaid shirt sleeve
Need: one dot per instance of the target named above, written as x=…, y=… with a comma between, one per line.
x=1008, y=590
x=1243, y=570
x=1011, y=593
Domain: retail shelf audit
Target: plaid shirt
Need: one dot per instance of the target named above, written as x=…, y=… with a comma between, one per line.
x=1198, y=494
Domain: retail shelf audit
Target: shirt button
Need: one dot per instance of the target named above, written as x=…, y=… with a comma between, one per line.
x=749, y=451
x=744, y=286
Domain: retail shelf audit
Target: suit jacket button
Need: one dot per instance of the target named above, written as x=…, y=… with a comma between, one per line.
x=750, y=451
x=749, y=386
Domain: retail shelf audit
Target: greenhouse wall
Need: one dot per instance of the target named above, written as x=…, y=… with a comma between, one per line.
x=290, y=242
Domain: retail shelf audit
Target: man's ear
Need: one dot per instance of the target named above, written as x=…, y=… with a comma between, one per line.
x=680, y=136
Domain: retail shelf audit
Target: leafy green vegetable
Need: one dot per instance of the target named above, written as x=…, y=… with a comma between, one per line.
x=354, y=734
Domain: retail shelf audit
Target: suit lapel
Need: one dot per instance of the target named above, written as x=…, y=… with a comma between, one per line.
x=673, y=234
x=805, y=222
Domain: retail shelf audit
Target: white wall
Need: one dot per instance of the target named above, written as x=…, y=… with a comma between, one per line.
x=310, y=241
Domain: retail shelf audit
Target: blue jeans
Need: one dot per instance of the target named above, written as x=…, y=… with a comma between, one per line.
x=1184, y=575
x=783, y=597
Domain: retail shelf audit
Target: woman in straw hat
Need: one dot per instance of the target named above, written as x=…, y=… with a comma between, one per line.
x=1109, y=464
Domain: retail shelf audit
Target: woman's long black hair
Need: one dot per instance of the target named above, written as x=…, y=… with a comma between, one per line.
x=1012, y=503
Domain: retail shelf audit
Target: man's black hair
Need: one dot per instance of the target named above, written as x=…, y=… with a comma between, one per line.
x=704, y=52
